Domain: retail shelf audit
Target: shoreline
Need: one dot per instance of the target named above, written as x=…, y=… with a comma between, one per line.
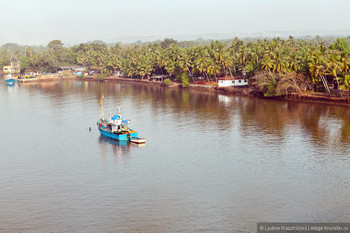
x=241, y=91
x=232, y=91
x=46, y=78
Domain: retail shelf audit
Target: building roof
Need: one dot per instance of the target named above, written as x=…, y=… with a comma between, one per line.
x=225, y=79
x=231, y=78
x=70, y=67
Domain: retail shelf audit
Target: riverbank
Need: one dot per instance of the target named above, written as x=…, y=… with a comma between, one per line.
x=46, y=78
x=239, y=91
x=305, y=97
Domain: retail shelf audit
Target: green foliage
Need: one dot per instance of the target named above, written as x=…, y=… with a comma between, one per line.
x=167, y=81
x=4, y=62
x=25, y=64
x=341, y=45
x=346, y=85
x=316, y=60
x=67, y=73
x=185, y=79
x=167, y=42
x=100, y=76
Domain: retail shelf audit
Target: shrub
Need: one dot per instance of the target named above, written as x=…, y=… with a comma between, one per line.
x=100, y=76
x=267, y=81
x=185, y=79
x=66, y=73
x=288, y=84
x=167, y=81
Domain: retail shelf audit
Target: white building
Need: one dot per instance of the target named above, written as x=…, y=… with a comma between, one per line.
x=223, y=82
x=229, y=82
x=240, y=82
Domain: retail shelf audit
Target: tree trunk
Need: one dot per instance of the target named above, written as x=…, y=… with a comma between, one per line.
x=336, y=77
x=190, y=73
x=324, y=83
x=206, y=77
x=230, y=72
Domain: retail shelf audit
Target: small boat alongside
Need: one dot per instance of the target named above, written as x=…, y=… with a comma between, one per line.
x=116, y=127
x=138, y=140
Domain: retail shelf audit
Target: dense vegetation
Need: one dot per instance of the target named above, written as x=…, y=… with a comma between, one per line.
x=278, y=66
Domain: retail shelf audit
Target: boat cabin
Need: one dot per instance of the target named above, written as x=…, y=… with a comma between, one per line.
x=118, y=124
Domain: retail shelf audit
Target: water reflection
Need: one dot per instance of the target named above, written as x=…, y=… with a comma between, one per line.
x=212, y=162
x=119, y=148
x=322, y=125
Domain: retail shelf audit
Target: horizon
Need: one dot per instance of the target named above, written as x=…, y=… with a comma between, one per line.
x=209, y=36
x=38, y=22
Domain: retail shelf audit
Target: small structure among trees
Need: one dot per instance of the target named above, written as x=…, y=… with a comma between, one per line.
x=13, y=69
x=159, y=78
x=232, y=82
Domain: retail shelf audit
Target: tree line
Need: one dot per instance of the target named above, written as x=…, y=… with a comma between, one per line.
x=293, y=64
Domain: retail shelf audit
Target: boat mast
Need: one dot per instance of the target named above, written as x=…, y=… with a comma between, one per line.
x=101, y=102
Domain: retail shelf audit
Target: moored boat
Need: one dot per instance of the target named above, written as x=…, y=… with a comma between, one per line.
x=116, y=127
x=10, y=81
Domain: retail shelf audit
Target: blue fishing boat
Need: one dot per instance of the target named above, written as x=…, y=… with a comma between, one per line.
x=10, y=81
x=116, y=127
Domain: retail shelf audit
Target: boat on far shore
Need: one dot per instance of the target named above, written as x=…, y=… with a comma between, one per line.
x=10, y=81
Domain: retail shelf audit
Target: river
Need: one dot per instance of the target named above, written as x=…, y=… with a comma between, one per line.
x=212, y=163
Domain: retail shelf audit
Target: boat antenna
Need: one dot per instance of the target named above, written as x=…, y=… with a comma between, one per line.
x=101, y=102
x=119, y=109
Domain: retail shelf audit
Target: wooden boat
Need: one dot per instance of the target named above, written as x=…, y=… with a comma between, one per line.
x=116, y=127
x=138, y=140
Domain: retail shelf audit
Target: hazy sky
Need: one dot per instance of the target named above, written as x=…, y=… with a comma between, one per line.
x=39, y=21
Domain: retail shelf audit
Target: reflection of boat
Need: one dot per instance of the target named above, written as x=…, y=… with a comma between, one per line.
x=116, y=127
x=119, y=148
x=122, y=143
x=137, y=140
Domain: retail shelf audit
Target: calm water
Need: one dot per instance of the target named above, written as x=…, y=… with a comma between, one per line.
x=212, y=163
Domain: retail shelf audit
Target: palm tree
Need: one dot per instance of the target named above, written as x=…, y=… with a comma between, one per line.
x=346, y=85
x=107, y=66
x=279, y=64
x=267, y=63
x=213, y=68
x=228, y=61
x=185, y=62
x=334, y=66
x=202, y=62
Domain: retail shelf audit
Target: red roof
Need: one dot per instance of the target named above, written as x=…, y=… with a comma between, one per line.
x=231, y=78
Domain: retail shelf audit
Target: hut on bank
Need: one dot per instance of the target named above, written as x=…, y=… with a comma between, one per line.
x=159, y=78
x=232, y=82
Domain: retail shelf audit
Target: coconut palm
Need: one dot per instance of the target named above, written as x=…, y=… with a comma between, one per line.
x=317, y=69
x=346, y=85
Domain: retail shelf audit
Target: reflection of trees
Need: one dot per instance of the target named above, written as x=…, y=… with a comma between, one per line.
x=323, y=124
x=266, y=117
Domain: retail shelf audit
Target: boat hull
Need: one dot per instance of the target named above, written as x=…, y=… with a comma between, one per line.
x=10, y=82
x=120, y=137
